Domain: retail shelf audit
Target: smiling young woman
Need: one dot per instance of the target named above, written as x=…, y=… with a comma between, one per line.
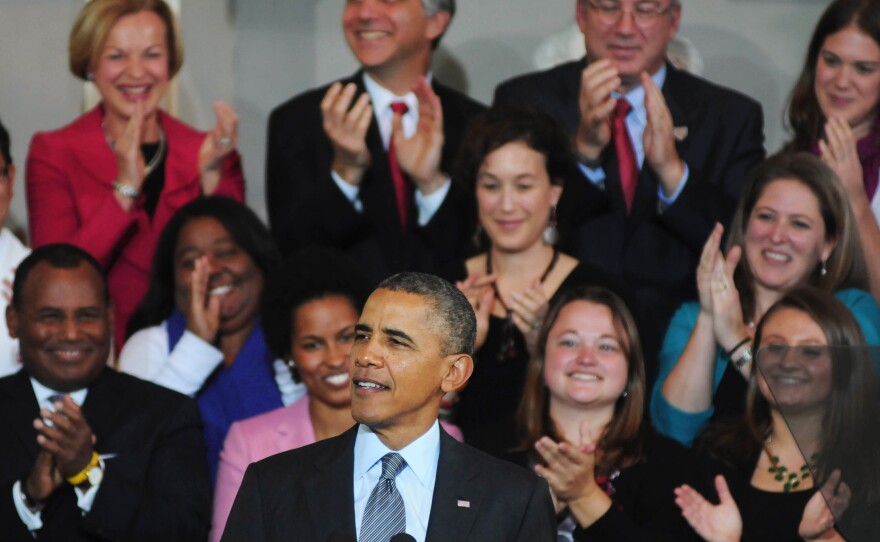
x=793, y=226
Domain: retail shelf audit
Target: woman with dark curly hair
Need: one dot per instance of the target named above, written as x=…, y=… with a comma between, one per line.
x=516, y=160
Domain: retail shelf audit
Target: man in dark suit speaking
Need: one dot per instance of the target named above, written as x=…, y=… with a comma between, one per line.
x=361, y=165
x=663, y=155
x=89, y=453
x=397, y=470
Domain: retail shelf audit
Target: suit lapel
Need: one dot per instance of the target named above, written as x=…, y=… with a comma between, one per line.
x=457, y=494
x=331, y=488
x=18, y=405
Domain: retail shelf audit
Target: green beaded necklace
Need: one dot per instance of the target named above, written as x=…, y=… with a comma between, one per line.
x=790, y=480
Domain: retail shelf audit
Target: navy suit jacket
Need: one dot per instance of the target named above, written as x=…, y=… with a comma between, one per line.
x=655, y=250
x=155, y=485
x=307, y=208
x=307, y=494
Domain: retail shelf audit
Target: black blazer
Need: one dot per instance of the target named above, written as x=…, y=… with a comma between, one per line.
x=656, y=250
x=307, y=495
x=156, y=487
x=307, y=208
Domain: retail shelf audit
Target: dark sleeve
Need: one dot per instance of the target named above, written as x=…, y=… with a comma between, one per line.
x=644, y=506
x=10, y=524
x=160, y=493
x=712, y=191
x=304, y=204
x=539, y=519
x=245, y=521
x=585, y=274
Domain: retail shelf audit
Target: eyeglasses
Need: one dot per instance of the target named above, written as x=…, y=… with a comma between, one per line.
x=645, y=14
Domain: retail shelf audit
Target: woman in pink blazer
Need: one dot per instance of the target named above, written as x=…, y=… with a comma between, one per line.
x=310, y=308
x=109, y=181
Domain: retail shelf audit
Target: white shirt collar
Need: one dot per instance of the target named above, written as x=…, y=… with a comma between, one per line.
x=43, y=394
x=421, y=455
x=382, y=98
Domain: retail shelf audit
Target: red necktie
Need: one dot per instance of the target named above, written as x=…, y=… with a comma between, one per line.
x=402, y=191
x=626, y=156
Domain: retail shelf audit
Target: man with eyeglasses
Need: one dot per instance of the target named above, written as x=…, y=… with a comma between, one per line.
x=663, y=155
x=12, y=251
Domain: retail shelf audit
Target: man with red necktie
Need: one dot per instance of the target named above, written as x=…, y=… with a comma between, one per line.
x=663, y=155
x=363, y=164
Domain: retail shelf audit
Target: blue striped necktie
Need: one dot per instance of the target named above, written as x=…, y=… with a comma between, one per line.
x=384, y=516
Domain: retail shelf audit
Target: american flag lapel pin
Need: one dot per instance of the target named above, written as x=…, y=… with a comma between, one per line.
x=464, y=504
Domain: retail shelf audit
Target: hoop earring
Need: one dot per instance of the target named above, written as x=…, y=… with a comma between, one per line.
x=551, y=233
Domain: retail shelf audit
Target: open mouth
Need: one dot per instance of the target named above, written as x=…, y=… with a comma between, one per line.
x=368, y=385
x=337, y=380
x=587, y=377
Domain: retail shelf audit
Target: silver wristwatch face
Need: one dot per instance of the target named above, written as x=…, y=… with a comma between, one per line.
x=96, y=474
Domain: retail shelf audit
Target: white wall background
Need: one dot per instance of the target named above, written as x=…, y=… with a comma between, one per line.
x=258, y=53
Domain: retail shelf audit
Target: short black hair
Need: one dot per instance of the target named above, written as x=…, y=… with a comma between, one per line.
x=59, y=256
x=243, y=225
x=306, y=275
x=453, y=313
x=4, y=145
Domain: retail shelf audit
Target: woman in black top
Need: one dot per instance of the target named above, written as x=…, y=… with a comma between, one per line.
x=581, y=426
x=516, y=160
x=811, y=422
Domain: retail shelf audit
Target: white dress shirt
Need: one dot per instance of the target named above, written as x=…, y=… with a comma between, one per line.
x=636, y=121
x=415, y=482
x=382, y=98
x=84, y=499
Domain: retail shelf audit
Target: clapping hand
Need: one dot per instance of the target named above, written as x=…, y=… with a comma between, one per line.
x=658, y=140
x=839, y=151
x=598, y=80
x=720, y=522
x=478, y=291
x=827, y=504
x=419, y=156
x=220, y=142
x=346, y=128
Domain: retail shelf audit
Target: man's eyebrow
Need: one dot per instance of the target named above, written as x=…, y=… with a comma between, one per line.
x=398, y=334
x=363, y=327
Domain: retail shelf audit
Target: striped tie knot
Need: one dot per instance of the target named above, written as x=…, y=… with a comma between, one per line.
x=392, y=464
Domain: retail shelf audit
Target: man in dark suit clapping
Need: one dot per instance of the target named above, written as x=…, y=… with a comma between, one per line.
x=663, y=155
x=361, y=164
x=397, y=471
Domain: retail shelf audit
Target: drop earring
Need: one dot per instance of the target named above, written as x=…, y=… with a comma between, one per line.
x=823, y=270
x=551, y=233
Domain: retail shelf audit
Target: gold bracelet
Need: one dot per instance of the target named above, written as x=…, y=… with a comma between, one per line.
x=83, y=475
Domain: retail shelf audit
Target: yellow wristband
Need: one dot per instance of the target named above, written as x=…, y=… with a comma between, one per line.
x=83, y=475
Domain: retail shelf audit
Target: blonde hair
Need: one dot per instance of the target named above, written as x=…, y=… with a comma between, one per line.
x=97, y=19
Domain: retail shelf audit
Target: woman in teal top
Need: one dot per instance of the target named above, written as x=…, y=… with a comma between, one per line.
x=793, y=226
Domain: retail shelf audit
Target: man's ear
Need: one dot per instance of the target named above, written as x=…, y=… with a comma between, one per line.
x=12, y=321
x=437, y=25
x=457, y=372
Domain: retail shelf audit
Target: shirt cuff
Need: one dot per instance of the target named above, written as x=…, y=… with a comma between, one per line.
x=190, y=363
x=595, y=176
x=84, y=499
x=350, y=192
x=32, y=520
x=664, y=200
x=428, y=205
